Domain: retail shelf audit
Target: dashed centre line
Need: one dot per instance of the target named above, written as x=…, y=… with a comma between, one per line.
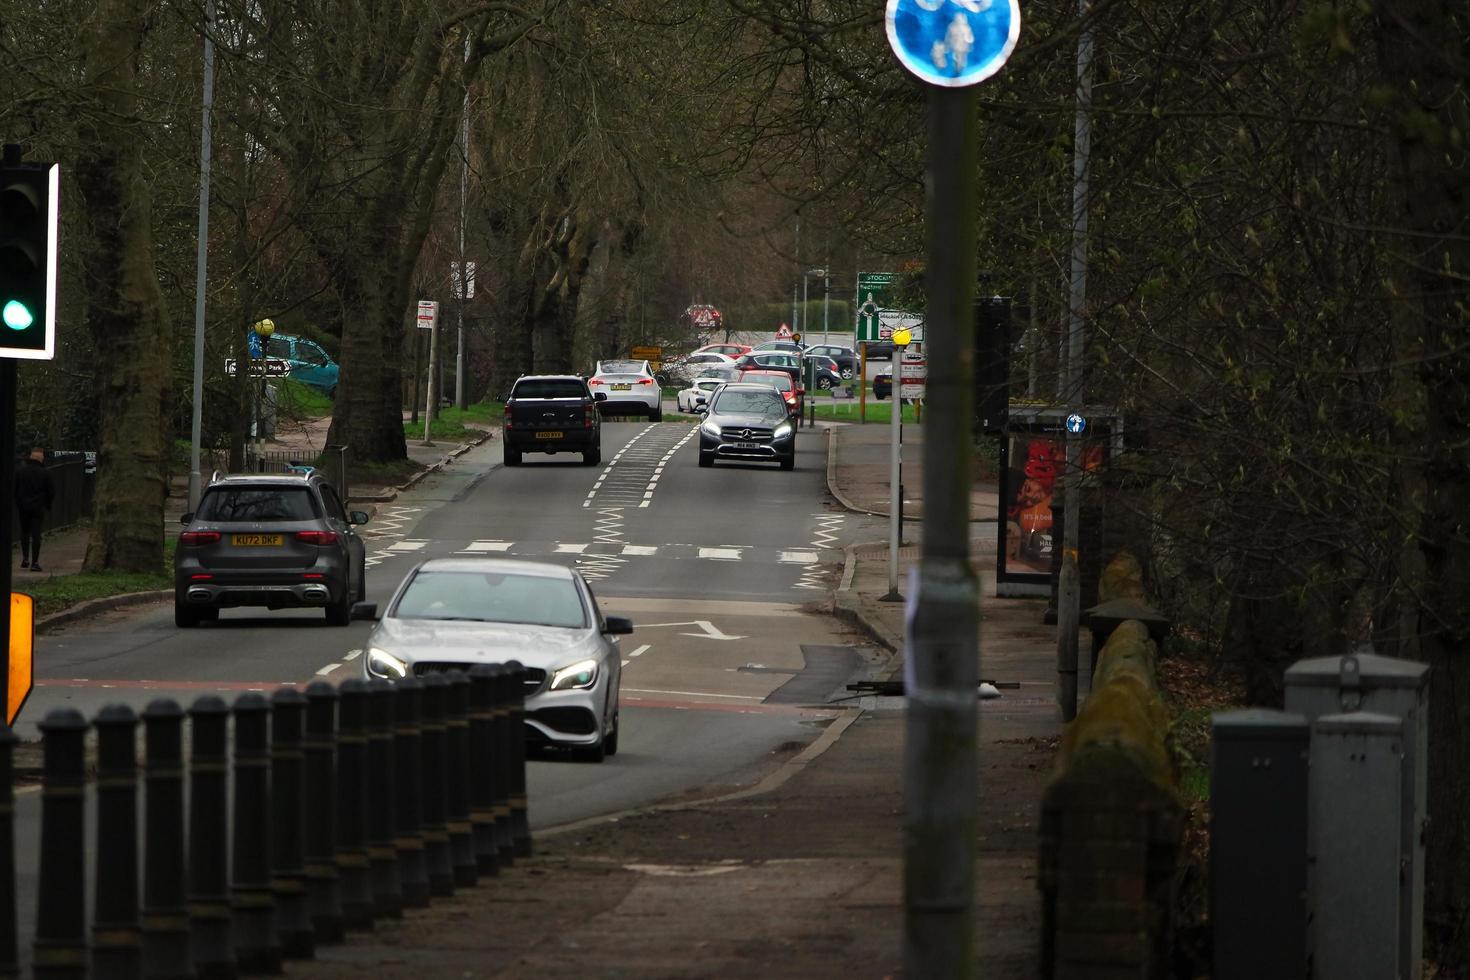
x=631, y=477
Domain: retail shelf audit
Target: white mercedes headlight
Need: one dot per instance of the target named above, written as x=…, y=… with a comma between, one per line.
x=580, y=675
x=381, y=663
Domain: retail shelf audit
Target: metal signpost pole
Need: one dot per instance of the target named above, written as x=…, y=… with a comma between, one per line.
x=433, y=375
x=1068, y=581
x=201, y=259
x=826, y=298
x=950, y=48
x=7, y=509
x=895, y=470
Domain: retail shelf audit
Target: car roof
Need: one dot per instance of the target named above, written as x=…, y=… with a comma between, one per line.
x=766, y=374
x=550, y=377
x=542, y=569
x=265, y=479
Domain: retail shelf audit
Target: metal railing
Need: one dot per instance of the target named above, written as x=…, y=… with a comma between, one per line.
x=348, y=805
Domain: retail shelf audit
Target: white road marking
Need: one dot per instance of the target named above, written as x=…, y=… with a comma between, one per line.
x=798, y=557
x=694, y=694
x=711, y=631
x=640, y=550
x=351, y=656
x=480, y=546
x=407, y=545
x=570, y=549
x=723, y=554
x=635, y=653
x=327, y=669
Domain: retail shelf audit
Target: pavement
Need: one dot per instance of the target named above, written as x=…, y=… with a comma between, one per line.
x=800, y=875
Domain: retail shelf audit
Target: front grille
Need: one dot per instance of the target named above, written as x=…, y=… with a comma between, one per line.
x=533, y=677
x=737, y=433
x=568, y=721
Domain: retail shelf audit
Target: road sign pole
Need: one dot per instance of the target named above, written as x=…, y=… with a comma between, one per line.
x=7, y=512
x=433, y=388
x=943, y=656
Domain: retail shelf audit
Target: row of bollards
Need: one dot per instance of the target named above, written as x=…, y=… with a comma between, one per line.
x=348, y=805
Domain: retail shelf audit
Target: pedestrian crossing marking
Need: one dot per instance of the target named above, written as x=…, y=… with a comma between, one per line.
x=570, y=549
x=798, y=557
x=477, y=547
x=407, y=545
x=722, y=554
x=640, y=550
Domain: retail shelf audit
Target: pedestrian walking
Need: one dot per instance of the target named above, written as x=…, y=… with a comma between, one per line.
x=33, y=493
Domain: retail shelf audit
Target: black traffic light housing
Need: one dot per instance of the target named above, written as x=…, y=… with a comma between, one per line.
x=28, y=211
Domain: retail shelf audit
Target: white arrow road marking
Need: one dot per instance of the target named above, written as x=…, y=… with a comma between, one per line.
x=711, y=632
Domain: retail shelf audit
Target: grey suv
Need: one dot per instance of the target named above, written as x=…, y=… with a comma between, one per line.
x=747, y=422
x=273, y=540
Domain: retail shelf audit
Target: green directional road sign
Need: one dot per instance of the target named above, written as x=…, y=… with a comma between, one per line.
x=875, y=294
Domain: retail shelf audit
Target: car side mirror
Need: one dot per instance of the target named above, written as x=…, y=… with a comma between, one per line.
x=619, y=625
x=701, y=408
x=365, y=610
x=186, y=518
x=357, y=517
x=600, y=396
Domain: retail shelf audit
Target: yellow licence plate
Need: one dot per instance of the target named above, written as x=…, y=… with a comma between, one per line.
x=255, y=540
x=550, y=435
x=622, y=387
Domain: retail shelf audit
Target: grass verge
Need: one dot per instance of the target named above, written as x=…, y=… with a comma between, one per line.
x=877, y=412
x=63, y=591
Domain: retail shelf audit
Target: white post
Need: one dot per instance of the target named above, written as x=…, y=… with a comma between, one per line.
x=433, y=370
x=826, y=297
x=895, y=476
x=464, y=177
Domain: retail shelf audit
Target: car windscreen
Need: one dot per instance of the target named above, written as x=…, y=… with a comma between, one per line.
x=750, y=403
x=492, y=597
x=549, y=388
x=623, y=378
x=622, y=367
x=257, y=504
x=782, y=381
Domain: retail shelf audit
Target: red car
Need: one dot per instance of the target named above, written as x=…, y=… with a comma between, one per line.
x=729, y=350
x=781, y=381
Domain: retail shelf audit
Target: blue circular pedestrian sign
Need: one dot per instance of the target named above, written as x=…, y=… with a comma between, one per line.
x=953, y=42
x=1076, y=423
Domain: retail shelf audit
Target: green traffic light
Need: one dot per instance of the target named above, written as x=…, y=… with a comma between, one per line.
x=17, y=315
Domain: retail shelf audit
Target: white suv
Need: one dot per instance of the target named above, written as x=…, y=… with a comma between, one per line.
x=630, y=387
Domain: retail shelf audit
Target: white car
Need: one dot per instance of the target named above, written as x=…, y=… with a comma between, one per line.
x=698, y=393
x=630, y=387
x=453, y=613
x=684, y=370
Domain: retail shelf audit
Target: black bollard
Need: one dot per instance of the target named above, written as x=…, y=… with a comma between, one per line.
x=378, y=802
x=288, y=826
x=457, y=800
x=165, y=878
x=349, y=855
x=407, y=802
x=117, y=942
x=481, y=764
x=252, y=902
x=9, y=949
x=211, y=934
x=437, y=861
x=60, y=950
x=319, y=850
x=519, y=818
x=505, y=838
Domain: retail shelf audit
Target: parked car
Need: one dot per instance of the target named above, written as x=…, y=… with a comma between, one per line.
x=686, y=369
x=880, y=350
x=698, y=393
x=882, y=385
x=788, y=346
x=310, y=365
x=747, y=422
x=792, y=393
x=630, y=387
x=275, y=540
x=758, y=360
x=453, y=613
x=846, y=358
x=552, y=413
x=729, y=350
x=827, y=373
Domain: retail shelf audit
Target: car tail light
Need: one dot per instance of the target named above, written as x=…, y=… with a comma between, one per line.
x=645, y=381
x=312, y=575
x=199, y=537
x=589, y=414
x=594, y=382
x=317, y=537
x=507, y=414
x=200, y=578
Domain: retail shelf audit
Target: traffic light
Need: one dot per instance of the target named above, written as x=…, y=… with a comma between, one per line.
x=28, y=208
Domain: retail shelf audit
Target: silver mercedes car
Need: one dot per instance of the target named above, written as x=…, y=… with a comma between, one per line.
x=453, y=613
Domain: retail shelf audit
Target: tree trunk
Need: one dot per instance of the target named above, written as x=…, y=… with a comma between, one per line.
x=126, y=312
x=1422, y=52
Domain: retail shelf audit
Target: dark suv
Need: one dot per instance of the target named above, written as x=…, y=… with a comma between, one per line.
x=552, y=413
x=747, y=422
x=274, y=540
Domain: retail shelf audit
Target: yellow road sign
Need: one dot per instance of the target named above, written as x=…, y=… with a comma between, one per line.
x=22, y=643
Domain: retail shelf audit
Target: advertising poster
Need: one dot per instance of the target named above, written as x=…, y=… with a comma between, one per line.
x=1033, y=458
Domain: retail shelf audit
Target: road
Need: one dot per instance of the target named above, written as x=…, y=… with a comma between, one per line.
x=716, y=567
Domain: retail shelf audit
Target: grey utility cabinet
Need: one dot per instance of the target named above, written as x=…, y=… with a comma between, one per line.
x=1366, y=682
x=1357, y=769
x=1258, y=844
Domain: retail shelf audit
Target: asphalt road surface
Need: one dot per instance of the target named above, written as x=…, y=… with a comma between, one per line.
x=724, y=675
